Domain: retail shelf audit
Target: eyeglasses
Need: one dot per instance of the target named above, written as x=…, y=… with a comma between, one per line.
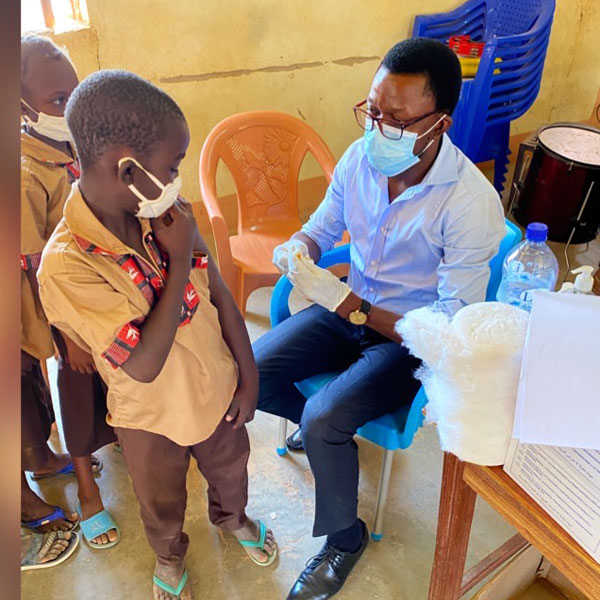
x=393, y=129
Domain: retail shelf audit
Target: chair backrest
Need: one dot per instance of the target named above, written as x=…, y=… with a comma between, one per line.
x=517, y=33
x=511, y=239
x=507, y=17
x=263, y=151
x=522, y=52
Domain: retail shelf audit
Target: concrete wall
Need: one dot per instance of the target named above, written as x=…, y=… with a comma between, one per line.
x=311, y=58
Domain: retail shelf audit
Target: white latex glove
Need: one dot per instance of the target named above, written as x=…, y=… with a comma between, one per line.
x=317, y=284
x=280, y=254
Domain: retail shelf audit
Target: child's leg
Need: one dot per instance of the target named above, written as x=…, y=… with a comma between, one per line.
x=83, y=410
x=34, y=508
x=36, y=420
x=158, y=468
x=222, y=460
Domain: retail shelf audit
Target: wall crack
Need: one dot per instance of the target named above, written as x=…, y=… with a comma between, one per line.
x=345, y=62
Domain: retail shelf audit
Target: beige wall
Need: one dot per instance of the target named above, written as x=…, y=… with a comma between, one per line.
x=310, y=58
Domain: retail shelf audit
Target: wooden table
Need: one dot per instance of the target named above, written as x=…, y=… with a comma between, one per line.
x=461, y=483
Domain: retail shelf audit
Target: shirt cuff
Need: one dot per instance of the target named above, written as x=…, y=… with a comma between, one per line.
x=122, y=346
x=322, y=241
x=30, y=261
x=449, y=306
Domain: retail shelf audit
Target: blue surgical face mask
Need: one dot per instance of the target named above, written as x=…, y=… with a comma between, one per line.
x=392, y=157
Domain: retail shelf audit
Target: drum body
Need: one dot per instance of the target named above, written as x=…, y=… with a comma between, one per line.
x=563, y=175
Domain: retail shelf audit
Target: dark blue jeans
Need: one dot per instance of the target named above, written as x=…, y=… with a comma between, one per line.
x=377, y=378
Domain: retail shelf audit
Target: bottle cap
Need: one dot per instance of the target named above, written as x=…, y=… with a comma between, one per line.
x=584, y=282
x=537, y=232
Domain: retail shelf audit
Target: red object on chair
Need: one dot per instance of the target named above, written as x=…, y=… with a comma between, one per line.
x=463, y=46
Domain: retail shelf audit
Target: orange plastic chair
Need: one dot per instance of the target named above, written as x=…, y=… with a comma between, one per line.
x=263, y=151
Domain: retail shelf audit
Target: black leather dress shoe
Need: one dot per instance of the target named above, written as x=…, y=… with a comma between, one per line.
x=326, y=573
x=294, y=441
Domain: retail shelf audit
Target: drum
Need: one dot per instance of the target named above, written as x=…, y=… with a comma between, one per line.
x=562, y=184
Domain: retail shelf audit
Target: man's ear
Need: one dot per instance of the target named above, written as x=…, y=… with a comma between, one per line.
x=444, y=125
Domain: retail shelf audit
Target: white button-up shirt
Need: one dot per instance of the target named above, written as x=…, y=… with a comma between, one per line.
x=430, y=246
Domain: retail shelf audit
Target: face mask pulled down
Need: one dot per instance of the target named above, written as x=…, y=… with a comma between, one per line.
x=49, y=126
x=151, y=209
x=392, y=157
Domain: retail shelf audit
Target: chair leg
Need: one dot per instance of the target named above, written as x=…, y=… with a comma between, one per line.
x=281, y=447
x=382, y=493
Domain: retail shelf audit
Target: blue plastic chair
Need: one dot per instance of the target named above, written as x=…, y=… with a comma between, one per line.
x=517, y=32
x=396, y=430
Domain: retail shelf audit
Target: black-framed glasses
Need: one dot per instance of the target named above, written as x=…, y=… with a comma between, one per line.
x=393, y=129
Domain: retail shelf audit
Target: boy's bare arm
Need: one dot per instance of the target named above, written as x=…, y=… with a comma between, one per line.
x=158, y=331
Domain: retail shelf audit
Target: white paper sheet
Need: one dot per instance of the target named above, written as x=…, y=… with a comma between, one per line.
x=558, y=401
x=565, y=482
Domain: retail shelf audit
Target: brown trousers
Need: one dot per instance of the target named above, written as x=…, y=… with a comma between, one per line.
x=82, y=406
x=36, y=414
x=158, y=469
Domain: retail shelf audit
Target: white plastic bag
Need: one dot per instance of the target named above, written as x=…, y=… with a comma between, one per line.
x=470, y=373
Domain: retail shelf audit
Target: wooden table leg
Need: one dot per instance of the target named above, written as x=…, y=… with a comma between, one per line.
x=457, y=503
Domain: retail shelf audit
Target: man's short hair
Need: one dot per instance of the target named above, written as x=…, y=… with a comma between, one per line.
x=433, y=59
x=113, y=108
x=32, y=45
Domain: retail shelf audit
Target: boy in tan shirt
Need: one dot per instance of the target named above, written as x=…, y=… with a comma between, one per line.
x=48, y=168
x=128, y=277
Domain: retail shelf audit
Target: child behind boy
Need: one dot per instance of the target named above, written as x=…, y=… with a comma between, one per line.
x=48, y=168
x=128, y=277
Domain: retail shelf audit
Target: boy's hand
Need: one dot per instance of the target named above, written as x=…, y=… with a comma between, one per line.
x=176, y=231
x=242, y=407
x=79, y=360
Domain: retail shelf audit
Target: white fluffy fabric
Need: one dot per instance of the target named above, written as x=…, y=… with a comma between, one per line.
x=470, y=373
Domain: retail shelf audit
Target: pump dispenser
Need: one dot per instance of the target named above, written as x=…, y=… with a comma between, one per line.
x=584, y=282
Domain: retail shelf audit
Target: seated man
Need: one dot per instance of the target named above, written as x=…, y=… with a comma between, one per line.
x=424, y=223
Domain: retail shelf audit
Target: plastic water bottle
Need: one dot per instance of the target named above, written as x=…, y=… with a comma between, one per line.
x=530, y=266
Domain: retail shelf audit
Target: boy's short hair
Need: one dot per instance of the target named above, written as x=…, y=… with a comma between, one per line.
x=32, y=45
x=434, y=60
x=112, y=108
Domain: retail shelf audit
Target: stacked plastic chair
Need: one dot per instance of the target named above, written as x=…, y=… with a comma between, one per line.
x=394, y=431
x=517, y=33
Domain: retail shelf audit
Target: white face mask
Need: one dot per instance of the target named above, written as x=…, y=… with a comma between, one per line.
x=151, y=209
x=52, y=127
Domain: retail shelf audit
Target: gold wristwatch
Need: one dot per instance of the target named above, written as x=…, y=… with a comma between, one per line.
x=361, y=315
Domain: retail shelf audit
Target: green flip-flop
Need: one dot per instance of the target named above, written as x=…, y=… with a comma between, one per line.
x=96, y=525
x=260, y=543
x=170, y=589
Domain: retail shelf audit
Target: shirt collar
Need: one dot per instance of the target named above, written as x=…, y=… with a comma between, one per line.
x=90, y=235
x=444, y=168
x=43, y=152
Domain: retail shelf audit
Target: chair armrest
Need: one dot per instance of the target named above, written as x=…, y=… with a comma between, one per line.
x=279, y=308
x=217, y=223
x=542, y=26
